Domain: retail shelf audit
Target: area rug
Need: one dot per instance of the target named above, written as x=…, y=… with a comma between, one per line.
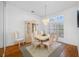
x=54, y=51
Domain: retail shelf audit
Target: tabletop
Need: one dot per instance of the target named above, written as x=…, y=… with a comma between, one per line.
x=41, y=37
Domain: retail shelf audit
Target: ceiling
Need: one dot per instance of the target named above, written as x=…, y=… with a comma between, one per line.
x=39, y=6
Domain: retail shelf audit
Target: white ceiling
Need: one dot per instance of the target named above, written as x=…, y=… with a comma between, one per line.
x=39, y=6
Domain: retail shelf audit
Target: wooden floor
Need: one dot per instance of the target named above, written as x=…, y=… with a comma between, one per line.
x=69, y=51
x=1, y=52
x=13, y=51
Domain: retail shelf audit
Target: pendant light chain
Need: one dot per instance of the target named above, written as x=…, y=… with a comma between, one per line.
x=45, y=20
x=45, y=10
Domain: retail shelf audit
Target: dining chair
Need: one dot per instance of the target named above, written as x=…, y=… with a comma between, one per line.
x=53, y=38
x=35, y=42
x=19, y=37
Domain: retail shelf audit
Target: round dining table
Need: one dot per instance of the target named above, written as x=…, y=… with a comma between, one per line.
x=42, y=38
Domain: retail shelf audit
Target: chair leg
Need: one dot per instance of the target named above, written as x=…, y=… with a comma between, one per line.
x=19, y=44
x=23, y=42
x=48, y=49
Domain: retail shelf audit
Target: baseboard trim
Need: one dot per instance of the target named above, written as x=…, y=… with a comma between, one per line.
x=66, y=43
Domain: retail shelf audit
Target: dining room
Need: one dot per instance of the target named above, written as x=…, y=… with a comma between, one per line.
x=40, y=29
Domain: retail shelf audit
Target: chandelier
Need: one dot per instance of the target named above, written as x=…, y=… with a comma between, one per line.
x=45, y=19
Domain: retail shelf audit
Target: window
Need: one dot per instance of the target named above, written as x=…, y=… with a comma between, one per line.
x=56, y=24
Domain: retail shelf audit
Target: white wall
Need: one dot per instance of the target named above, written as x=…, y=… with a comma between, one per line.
x=1, y=24
x=71, y=31
x=15, y=18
